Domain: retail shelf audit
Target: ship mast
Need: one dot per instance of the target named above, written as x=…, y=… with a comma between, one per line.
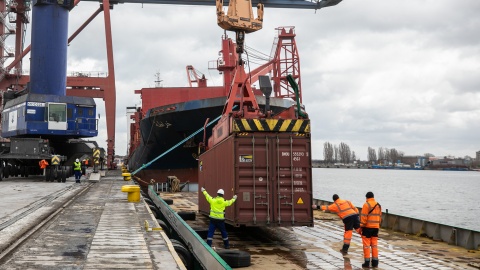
x=158, y=81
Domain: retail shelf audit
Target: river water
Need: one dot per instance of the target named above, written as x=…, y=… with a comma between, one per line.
x=446, y=197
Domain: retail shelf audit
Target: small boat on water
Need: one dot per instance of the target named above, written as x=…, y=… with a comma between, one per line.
x=398, y=166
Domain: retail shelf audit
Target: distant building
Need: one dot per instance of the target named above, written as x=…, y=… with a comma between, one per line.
x=448, y=163
x=415, y=160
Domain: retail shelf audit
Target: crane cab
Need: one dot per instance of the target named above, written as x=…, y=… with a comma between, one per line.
x=49, y=115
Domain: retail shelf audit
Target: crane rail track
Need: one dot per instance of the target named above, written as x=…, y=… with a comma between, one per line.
x=12, y=246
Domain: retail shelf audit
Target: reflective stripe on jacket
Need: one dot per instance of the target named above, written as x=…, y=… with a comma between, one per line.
x=343, y=208
x=77, y=166
x=217, y=205
x=371, y=218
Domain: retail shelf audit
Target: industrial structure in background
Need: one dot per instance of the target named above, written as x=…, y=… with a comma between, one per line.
x=15, y=17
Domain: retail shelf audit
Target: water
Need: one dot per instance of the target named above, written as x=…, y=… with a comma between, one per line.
x=446, y=197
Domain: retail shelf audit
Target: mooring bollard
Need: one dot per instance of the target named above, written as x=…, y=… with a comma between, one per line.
x=133, y=192
x=127, y=176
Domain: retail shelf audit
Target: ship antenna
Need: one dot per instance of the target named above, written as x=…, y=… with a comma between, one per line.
x=158, y=82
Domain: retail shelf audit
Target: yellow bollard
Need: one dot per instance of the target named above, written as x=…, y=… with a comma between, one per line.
x=133, y=192
x=127, y=176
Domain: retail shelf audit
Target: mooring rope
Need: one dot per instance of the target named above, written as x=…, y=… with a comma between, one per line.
x=173, y=147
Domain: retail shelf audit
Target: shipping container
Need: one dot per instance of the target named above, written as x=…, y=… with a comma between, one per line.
x=271, y=173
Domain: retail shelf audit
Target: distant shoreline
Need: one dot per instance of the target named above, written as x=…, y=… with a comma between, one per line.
x=321, y=166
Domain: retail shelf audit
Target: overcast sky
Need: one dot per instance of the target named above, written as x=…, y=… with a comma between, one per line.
x=390, y=73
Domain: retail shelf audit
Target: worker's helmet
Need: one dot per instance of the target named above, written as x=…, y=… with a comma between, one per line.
x=221, y=192
x=77, y=160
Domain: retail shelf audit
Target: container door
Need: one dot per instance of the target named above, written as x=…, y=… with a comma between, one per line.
x=274, y=180
x=291, y=176
x=254, y=206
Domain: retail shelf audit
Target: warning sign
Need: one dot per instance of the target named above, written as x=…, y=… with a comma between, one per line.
x=55, y=160
x=96, y=155
x=300, y=201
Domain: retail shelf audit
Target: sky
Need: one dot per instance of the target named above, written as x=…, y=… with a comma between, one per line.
x=393, y=74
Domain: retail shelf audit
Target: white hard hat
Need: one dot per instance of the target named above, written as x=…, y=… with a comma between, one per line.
x=220, y=191
x=77, y=160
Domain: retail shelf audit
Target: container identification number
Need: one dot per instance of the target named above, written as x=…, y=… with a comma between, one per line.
x=296, y=155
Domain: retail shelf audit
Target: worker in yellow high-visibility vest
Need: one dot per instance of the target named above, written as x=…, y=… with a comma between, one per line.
x=217, y=215
x=77, y=169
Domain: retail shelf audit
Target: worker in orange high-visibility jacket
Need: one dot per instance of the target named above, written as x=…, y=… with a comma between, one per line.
x=370, y=221
x=43, y=164
x=349, y=215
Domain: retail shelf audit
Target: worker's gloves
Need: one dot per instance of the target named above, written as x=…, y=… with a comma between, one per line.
x=202, y=189
x=234, y=197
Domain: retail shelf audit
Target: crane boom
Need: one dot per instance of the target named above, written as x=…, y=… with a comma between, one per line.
x=297, y=4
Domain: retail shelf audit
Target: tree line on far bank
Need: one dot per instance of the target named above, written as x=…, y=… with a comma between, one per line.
x=343, y=154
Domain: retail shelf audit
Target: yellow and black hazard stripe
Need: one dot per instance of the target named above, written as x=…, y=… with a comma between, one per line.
x=55, y=160
x=96, y=155
x=271, y=125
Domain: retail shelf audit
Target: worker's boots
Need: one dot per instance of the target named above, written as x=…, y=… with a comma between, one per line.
x=366, y=264
x=344, y=249
x=374, y=263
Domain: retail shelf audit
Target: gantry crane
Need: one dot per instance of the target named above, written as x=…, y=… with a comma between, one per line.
x=12, y=77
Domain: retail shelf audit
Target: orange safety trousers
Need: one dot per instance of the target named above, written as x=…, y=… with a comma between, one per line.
x=370, y=242
x=347, y=236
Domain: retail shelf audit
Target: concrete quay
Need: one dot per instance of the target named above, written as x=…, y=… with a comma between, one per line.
x=90, y=225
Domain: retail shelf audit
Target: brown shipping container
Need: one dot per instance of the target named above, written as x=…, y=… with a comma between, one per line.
x=271, y=174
